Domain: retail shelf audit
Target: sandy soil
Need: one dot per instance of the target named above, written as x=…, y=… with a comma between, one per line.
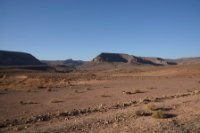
x=101, y=101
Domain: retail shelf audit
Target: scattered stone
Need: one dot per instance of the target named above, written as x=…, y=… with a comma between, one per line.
x=43, y=117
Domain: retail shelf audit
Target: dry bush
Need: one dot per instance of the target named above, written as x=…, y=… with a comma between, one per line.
x=41, y=87
x=152, y=107
x=49, y=90
x=29, y=90
x=6, y=89
x=138, y=91
x=104, y=95
x=127, y=92
x=106, y=87
x=141, y=113
x=157, y=100
x=152, y=88
x=28, y=102
x=89, y=89
x=56, y=101
x=3, y=93
x=62, y=114
x=78, y=91
x=135, y=92
x=159, y=114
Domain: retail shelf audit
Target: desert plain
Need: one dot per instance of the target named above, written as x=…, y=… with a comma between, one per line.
x=117, y=99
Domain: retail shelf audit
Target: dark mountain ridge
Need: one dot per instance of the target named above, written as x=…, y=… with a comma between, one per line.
x=10, y=58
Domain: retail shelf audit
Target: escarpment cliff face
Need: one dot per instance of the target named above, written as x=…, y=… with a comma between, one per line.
x=125, y=58
x=9, y=58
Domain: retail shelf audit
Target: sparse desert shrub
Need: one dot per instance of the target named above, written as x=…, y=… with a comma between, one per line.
x=160, y=114
x=138, y=113
x=28, y=102
x=127, y=92
x=3, y=93
x=49, y=89
x=152, y=88
x=141, y=113
x=138, y=91
x=104, y=95
x=21, y=102
x=62, y=114
x=135, y=92
x=152, y=107
x=41, y=87
x=29, y=90
x=106, y=87
x=156, y=100
x=55, y=101
x=79, y=91
x=6, y=89
x=93, y=75
x=88, y=89
x=20, y=128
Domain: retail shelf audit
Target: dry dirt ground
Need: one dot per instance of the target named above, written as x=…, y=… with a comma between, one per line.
x=141, y=99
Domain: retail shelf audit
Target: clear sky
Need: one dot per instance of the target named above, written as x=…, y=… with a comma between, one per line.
x=81, y=29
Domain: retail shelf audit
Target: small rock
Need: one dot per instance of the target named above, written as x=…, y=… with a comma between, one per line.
x=66, y=118
x=115, y=125
x=106, y=122
x=196, y=91
x=101, y=106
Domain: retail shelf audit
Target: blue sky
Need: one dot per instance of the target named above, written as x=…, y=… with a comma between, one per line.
x=81, y=29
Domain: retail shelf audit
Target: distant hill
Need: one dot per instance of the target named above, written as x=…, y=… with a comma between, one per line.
x=10, y=58
x=125, y=58
x=193, y=60
x=68, y=62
